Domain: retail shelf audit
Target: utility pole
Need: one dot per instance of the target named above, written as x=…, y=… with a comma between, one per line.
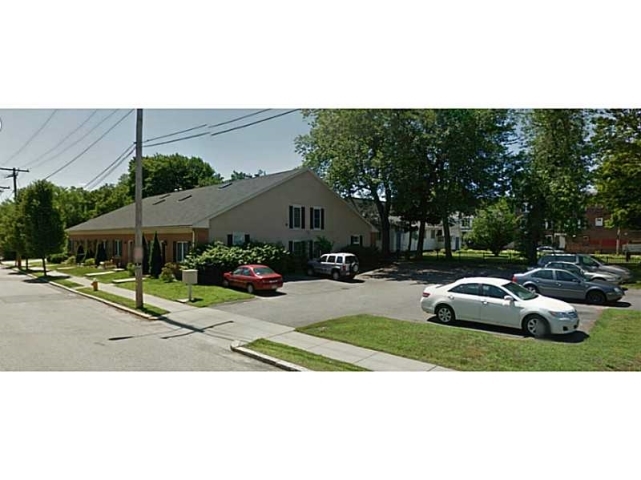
x=138, y=251
x=14, y=173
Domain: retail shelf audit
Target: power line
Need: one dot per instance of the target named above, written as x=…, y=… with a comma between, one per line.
x=224, y=131
x=255, y=123
x=87, y=149
x=240, y=118
x=39, y=164
x=237, y=119
x=176, y=133
x=61, y=141
x=31, y=138
x=110, y=168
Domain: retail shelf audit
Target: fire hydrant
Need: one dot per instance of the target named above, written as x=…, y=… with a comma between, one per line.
x=94, y=284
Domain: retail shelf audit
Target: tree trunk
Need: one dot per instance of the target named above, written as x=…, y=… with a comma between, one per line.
x=409, y=243
x=44, y=266
x=421, y=239
x=448, y=238
x=383, y=213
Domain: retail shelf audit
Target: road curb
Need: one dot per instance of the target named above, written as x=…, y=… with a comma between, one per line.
x=237, y=347
x=106, y=302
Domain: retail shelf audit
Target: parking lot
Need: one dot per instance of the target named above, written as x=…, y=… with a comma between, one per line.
x=393, y=292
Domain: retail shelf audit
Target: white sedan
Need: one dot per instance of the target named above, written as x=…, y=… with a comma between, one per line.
x=499, y=302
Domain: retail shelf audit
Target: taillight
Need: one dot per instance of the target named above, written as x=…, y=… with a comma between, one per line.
x=344, y=267
x=426, y=294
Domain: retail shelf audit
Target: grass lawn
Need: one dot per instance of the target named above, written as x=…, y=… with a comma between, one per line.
x=149, y=309
x=614, y=344
x=204, y=294
x=65, y=283
x=302, y=358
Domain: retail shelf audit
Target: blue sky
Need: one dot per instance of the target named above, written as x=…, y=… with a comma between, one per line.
x=268, y=146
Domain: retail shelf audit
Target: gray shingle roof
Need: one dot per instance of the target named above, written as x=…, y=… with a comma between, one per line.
x=187, y=208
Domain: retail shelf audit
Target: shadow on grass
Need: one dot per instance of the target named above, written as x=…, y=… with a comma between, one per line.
x=577, y=336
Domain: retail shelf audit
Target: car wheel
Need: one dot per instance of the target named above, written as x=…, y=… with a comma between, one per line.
x=596, y=297
x=310, y=271
x=535, y=326
x=532, y=289
x=354, y=268
x=250, y=288
x=225, y=283
x=336, y=275
x=445, y=314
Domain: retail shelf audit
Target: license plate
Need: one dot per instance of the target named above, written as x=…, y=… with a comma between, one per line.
x=274, y=287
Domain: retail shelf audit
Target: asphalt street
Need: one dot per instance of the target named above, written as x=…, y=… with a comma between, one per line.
x=45, y=328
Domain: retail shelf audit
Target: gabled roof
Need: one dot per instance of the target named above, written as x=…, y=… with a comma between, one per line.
x=188, y=208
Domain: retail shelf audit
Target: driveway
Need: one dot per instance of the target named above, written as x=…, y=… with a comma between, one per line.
x=393, y=292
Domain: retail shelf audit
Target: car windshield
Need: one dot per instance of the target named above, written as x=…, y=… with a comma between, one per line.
x=591, y=262
x=519, y=291
x=263, y=271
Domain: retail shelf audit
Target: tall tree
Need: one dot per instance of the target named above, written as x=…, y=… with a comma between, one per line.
x=454, y=161
x=353, y=151
x=167, y=173
x=44, y=230
x=242, y=175
x=618, y=176
x=155, y=258
x=552, y=185
x=494, y=227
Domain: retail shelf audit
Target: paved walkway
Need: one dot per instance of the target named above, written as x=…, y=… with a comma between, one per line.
x=241, y=329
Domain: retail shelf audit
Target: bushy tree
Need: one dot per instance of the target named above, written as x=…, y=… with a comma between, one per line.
x=167, y=173
x=494, y=227
x=618, y=177
x=43, y=227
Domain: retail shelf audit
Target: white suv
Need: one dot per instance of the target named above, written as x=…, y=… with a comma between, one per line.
x=338, y=265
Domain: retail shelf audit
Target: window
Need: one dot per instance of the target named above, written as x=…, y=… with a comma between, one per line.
x=317, y=218
x=565, y=276
x=493, y=291
x=467, y=289
x=433, y=234
x=331, y=259
x=324, y=258
x=598, y=222
x=465, y=222
x=117, y=248
x=356, y=240
x=238, y=238
x=543, y=274
x=296, y=216
x=182, y=249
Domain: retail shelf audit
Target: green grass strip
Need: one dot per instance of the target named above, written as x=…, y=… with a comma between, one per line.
x=65, y=283
x=148, y=309
x=302, y=357
x=614, y=344
x=204, y=295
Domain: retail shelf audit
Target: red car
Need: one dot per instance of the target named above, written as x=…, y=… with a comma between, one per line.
x=252, y=278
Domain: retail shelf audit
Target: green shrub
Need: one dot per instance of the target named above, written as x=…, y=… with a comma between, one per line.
x=71, y=260
x=219, y=258
x=166, y=274
x=57, y=258
x=90, y=262
x=175, y=270
x=131, y=268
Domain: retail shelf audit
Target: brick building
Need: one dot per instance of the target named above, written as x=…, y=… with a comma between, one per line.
x=596, y=237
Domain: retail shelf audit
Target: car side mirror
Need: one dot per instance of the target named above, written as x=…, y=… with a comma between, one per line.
x=508, y=298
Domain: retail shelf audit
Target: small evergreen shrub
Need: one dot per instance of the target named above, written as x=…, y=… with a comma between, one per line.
x=90, y=262
x=166, y=274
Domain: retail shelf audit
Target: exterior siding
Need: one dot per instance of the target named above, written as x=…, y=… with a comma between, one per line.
x=88, y=241
x=266, y=217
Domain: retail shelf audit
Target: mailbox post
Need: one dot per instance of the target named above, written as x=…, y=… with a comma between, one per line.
x=190, y=277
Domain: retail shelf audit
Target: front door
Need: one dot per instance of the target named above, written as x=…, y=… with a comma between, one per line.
x=570, y=286
x=495, y=310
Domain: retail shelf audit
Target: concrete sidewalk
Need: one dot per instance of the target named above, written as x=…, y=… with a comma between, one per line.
x=241, y=330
